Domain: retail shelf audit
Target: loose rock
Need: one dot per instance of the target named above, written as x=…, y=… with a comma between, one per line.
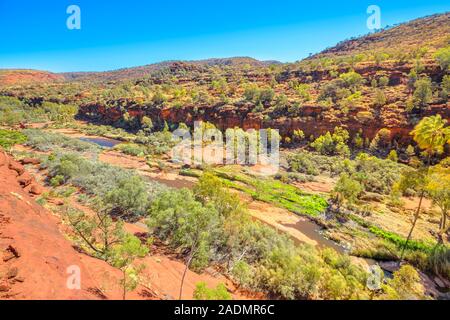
x=36, y=189
x=30, y=161
x=25, y=179
x=16, y=167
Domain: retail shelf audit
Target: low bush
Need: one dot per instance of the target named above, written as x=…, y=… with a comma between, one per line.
x=202, y=292
x=119, y=190
x=9, y=138
x=132, y=149
x=47, y=141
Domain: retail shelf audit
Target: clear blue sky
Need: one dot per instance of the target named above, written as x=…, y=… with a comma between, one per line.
x=126, y=33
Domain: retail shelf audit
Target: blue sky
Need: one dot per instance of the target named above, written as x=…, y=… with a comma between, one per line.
x=116, y=34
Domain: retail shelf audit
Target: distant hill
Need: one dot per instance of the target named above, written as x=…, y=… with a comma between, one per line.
x=143, y=71
x=431, y=32
x=23, y=77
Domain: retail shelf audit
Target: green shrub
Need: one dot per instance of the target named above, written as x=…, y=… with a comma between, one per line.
x=202, y=292
x=348, y=189
x=57, y=180
x=443, y=57
x=129, y=197
x=176, y=217
x=423, y=93
x=132, y=149
x=46, y=141
x=117, y=190
x=333, y=144
x=9, y=138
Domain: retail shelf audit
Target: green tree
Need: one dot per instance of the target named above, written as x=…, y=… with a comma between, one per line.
x=443, y=57
x=352, y=79
x=347, y=189
x=380, y=57
x=299, y=135
x=266, y=96
x=210, y=189
x=10, y=138
x=147, y=124
x=177, y=217
x=423, y=93
x=431, y=134
x=383, y=81
x=129, y=197
x=302, y=90
x=243, y=273
x=380, y=98
x=445, y=88
x=96, y=233
x=438, y=188
x=405, y=285
x=124, y=256
x=331, y=144
x=410, y=151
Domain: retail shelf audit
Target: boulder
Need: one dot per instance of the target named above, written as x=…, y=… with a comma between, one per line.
x=4, y=288
x=390, y=266
x=25, y=179
x=33, y=161
x=17, y=167
x=36, y=189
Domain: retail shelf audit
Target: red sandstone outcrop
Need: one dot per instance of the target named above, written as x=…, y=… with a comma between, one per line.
x=35, y=256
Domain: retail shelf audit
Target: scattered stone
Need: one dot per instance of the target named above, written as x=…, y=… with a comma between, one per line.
x=33, y=161
x=36, y=189
x=11, y=253
x=439, y=282
x=4, y=288
x=25, y=179
x=12, y=273
x=429, y=285
x=17, y=167
x=370, y=196
x=19, y=279
x=390, y=266
x=56, y=201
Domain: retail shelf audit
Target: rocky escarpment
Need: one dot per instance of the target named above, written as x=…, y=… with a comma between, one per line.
x=313, y=118
x=36, y=259
x=34, y=256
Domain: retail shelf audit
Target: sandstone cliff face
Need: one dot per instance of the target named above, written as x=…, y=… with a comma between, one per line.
x=34, y=255
x=312, y=118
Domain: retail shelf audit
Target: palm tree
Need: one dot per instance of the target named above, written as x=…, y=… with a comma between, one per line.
x=431, y=134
